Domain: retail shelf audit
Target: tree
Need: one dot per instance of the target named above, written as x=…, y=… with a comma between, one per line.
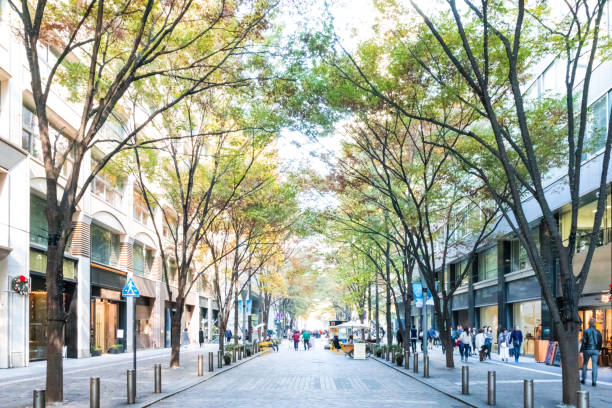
x=489, y=58
x=105, y=50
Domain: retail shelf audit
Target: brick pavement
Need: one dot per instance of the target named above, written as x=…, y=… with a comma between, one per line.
x=16, y=384
x=509, y=376
x=310, y=378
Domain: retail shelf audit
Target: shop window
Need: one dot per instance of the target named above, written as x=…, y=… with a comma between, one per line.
x=105, y=246
x=487, y=264
x=586, y=217
x=528, y=317
x=38, y=263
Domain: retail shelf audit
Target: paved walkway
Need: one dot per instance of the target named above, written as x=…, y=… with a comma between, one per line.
x=509, y=376
x=310, y=378
x=16, y=384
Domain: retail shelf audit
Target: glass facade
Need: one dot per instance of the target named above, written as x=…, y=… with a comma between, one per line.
x=528, y=316
x=488, y=317
x=586, y=216
x=38, y=220
x=603, y=322
x=487, y=264
x=105, y=246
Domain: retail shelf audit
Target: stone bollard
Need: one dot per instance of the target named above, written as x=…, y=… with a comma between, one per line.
x=392, y=357
x=239, y=354
x=38, y=399
x=415, y=362
x=491, y=391
x=219, y=359
x=233, y=355
x=157, y=378
x=425, y=366
x=528, y=396
x=94, y=392
x=406, y=360
x=211, y=361
x=200, y=365
x=582, y=399
x=131, y=386
x=465, y=380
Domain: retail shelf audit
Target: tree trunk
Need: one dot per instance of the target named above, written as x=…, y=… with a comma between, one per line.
x=55, y=321
x=236, y=321
x=568, y=343
x=175, y=337
x=444, y=327
x=221, y=337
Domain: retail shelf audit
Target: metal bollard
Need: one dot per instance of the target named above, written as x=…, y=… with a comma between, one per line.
x=219, y=359
x=491, y=391
x=528, y=393
x=393, y=357
x=157, y=378
x=415, y=362
x=200, y=365
x=131, y=386
x=425, y=366
x=38, y=399
x=465, y=380
x=94, y=392
x=233, y=355
x=582, y=399
x=239, y=354
x=211, y=361
x=406, y=360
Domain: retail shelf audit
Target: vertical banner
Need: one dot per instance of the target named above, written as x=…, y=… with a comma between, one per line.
x=249, y=304
x=417, y=293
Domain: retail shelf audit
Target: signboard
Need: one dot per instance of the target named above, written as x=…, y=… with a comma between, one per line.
x=417, y=293
x=249, y=306
x=550, y=353
x=130, y=289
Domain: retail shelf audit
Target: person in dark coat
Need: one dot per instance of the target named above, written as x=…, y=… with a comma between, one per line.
x=590, y=348
x=201, y=337
x=400, y=338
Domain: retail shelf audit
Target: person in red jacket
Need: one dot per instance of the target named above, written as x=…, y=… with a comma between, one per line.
x=296, y=340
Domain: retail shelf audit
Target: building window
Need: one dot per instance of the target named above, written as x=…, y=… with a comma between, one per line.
x=38, y=263
x=38, y=221
x=586, y=217
x=107, y=187
x=597, y=126
x=487, y=264
x=105, y=246
x=142, y=260
x=141, y=211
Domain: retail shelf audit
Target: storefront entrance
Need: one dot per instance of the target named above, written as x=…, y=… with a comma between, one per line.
x=603, y=322
x=108, y=320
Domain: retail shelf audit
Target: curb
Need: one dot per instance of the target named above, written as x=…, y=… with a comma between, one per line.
x=424, y=382
x=193, y=384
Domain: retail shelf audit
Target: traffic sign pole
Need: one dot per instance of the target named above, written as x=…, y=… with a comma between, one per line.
x=131, y=291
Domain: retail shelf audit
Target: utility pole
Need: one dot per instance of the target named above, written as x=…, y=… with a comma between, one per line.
x=377, y=322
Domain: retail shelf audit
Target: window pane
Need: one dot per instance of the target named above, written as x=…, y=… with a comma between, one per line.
x=38, y=221
x=38, y=261
x=138, y=260
x=100, y=245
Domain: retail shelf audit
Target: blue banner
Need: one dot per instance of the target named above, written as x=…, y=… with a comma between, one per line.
x=417, y=293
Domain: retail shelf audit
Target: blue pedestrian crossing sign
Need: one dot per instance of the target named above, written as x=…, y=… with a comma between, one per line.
x=130, y=289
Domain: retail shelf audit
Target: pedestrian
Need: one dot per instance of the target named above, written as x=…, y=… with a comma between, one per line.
x=464, y=345
x=201, y=336
x=306, y=339
x=296, y=340
x=228, y=335
x=502, y=340
x=273, y=343
x=185, y=338
x=431, y=336
x=400, y=338
x=473, y=350
x=488, y=341
x=517, y=340
x=480, y=344
x=590, y=348
x=413, y=339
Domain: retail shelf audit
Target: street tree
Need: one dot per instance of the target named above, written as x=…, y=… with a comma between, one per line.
x=102, y=50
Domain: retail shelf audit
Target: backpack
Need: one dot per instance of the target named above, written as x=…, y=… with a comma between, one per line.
x=488, y=342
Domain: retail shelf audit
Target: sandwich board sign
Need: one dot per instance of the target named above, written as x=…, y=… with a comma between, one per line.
x=130, y=289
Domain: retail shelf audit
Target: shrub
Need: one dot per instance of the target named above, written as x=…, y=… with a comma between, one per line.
x=229, y=347
x=227, y=358
x=399, y=358
x=378, y=351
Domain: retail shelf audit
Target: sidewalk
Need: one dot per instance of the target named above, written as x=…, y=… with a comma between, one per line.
x=509, y=376
x=16, y=384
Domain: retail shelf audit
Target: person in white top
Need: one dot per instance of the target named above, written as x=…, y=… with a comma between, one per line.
x=502, y=340
x=480, y=339
x=464, y=346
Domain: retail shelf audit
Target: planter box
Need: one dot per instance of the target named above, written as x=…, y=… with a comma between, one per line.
x=96, y=353
x=541, y=347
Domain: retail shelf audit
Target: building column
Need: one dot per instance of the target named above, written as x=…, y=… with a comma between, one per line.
x=81, y=248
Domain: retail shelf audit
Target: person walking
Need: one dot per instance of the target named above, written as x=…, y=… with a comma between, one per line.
x=306, y=339
x=413, y=339
x=185, y=339
x=502, y=340
x=201, y=336
x=480, y=344
x=400, y=338
x=296, y=340
x=517, y=340
x=473, y=349
x=228, y=335
x=464, y=345
x=590, y=348
x=488, y=341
